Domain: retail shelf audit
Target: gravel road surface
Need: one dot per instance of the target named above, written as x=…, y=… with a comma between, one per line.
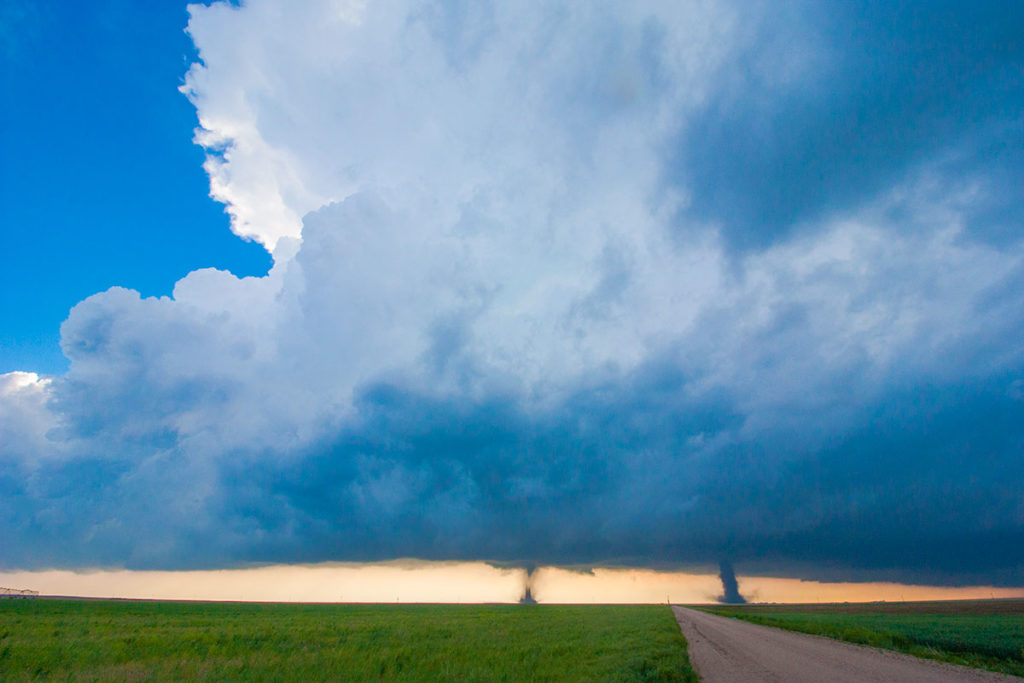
x=724, y=649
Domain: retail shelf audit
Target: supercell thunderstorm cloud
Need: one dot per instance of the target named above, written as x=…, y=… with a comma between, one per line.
x=568, y=282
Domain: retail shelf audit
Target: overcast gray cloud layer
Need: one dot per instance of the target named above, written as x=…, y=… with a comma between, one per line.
x=663, y=283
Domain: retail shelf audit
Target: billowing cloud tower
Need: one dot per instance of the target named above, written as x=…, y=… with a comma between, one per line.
x=650, y=282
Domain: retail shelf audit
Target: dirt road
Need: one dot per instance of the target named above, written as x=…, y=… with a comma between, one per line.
x=724, y=649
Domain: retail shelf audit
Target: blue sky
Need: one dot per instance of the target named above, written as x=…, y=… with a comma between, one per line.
x=99, y=183
x=656, y=284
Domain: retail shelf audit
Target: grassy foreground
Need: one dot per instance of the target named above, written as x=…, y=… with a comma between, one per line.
x=987, y=634
x=87, y=640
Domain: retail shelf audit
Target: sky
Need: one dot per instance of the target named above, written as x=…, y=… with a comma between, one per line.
x=659, y=285
x=99, y=185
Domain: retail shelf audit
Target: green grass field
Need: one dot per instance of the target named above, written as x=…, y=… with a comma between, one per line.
x=982, y=633
x=89, y=640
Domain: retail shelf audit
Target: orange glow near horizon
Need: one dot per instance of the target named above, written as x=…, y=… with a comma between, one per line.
x=398, y=581
x=463, y=582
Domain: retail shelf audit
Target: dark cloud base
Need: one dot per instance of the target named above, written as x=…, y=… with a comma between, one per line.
x=926, y=489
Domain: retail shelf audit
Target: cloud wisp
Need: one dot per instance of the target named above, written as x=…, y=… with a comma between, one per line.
x=657, y=283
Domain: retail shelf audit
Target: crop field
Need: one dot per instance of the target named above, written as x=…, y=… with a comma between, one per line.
x=982, y=633
x=87, y=640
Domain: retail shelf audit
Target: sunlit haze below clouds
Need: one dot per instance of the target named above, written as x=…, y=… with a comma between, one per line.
x=454, y=582
x=580, y=284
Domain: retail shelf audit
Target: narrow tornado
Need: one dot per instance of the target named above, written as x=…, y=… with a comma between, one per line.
x=730, y=587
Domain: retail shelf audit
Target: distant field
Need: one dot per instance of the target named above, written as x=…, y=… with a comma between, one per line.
x=982, y=633
x=80, y=640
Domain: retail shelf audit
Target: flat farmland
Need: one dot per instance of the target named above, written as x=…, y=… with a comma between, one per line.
x=86, y=640
x=986, y=634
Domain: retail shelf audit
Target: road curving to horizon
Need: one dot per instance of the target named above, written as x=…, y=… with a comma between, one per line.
x=735, y=651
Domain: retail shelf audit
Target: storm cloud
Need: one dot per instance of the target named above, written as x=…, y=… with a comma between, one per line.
x=651, y=284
